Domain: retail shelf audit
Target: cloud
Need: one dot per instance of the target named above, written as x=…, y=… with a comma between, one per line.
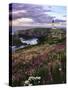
x=61, y=17
x=22, y=21
x=19, y=11
x=15, y=14
x=56, y=15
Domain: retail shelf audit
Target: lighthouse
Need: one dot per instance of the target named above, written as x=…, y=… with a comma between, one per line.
x=53, y=23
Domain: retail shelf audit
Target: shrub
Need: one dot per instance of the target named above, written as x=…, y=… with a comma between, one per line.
x=56, y=72
x=43, y=73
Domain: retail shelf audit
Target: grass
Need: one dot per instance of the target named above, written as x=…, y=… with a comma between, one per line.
x=46, y=60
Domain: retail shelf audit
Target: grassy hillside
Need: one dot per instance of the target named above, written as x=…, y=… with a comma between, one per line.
x=46, y=60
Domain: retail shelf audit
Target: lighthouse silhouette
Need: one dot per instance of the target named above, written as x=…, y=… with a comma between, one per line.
x=53, y=27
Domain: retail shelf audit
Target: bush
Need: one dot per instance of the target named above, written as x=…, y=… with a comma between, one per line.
x=43, y=73
x=56, y=72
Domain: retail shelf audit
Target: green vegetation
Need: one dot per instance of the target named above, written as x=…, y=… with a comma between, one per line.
x=16, y=41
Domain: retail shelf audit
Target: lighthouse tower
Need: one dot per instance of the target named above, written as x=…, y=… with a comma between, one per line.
x=53, y=24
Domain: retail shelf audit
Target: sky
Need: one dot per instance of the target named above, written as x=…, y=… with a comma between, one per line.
x=58, y=11
x=25, y=14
